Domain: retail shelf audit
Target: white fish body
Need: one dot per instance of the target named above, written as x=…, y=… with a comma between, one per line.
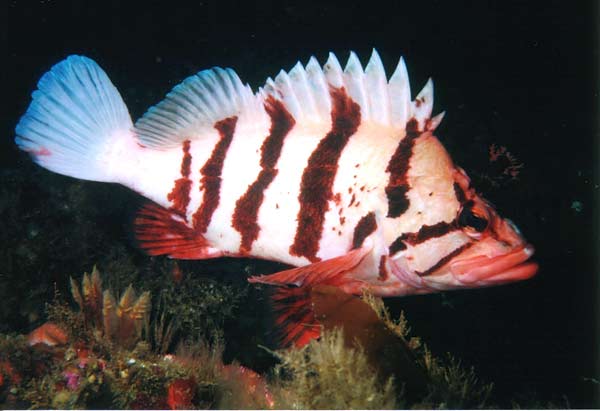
x=334, y=171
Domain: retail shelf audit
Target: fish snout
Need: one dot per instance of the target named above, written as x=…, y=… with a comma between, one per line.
x=508, y=267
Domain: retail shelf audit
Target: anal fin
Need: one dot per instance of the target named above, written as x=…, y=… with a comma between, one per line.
x=293, y=301
x=163, y=232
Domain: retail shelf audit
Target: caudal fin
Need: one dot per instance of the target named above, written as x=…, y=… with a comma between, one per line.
x=77, y=123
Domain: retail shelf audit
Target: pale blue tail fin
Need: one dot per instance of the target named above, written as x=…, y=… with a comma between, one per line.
x=75, y=121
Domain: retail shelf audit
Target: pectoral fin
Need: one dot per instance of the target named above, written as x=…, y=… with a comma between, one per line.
x=292, y=301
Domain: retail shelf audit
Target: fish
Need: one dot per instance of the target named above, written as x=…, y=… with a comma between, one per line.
x=335, y=172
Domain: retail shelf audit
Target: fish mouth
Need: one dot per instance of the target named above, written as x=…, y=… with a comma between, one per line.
x=513, y=266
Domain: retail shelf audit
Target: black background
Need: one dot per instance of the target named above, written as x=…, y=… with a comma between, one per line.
x=522, y=74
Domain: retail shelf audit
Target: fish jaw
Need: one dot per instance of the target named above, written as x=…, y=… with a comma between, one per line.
x=475, y=271
x=482, y=270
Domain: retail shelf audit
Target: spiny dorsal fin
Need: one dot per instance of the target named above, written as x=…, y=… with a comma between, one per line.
x=195, y=105
x=305, y=92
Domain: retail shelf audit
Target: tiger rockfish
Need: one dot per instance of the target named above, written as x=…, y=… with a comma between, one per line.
x=334, y=171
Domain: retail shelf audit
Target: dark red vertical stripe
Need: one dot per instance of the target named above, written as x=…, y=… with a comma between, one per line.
x=319, y=175
x=211, y=174
x=180, y=195
x=383, y=273
x=398, y=165
x=363, y=229
x=245, y=216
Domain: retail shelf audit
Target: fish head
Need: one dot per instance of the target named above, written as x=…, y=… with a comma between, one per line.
x=470, y=246
x=496, y=251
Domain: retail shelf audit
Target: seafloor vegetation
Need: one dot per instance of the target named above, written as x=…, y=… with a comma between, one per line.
x=104, y=352
x=99, y=351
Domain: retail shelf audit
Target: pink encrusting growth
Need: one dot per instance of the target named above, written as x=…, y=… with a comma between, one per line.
x=333, y=171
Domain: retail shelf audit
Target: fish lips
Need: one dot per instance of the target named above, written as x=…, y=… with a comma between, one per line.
x=482, y=270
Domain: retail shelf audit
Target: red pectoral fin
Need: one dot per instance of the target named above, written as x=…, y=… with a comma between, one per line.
x=292, y=302
x=160, y=231
x=316, y=273
x=294, y=316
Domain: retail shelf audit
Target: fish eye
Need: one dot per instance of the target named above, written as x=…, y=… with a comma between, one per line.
x=471, y=218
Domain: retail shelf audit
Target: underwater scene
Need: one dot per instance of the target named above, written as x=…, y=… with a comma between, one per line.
x=406, y=219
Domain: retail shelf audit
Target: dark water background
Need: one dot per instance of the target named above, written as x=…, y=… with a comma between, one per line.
x=518, y=74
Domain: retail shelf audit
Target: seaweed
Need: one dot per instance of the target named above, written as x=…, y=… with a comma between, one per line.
x=328, y=374
x=107, y=357
x=109, y=354
x=369, y=369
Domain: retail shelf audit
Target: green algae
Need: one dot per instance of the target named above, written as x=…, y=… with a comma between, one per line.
x=326, y=374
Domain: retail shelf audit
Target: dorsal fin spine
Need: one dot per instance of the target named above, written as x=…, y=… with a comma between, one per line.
x=299, y=76
x=320, y=88
x=289, y=96
x=379, y=100
x=399, y=92
x=333, y=71
x=354, y=81
x=423, y=104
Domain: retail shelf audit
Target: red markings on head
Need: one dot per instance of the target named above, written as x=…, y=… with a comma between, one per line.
x=180, y=194
x=397, y=245
x=425, y=233
x=363, y=229
x=211, y=174
x=383, y=272
x=245, y=216
x=398, y=165
x=444, y=260
x=319, y=175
